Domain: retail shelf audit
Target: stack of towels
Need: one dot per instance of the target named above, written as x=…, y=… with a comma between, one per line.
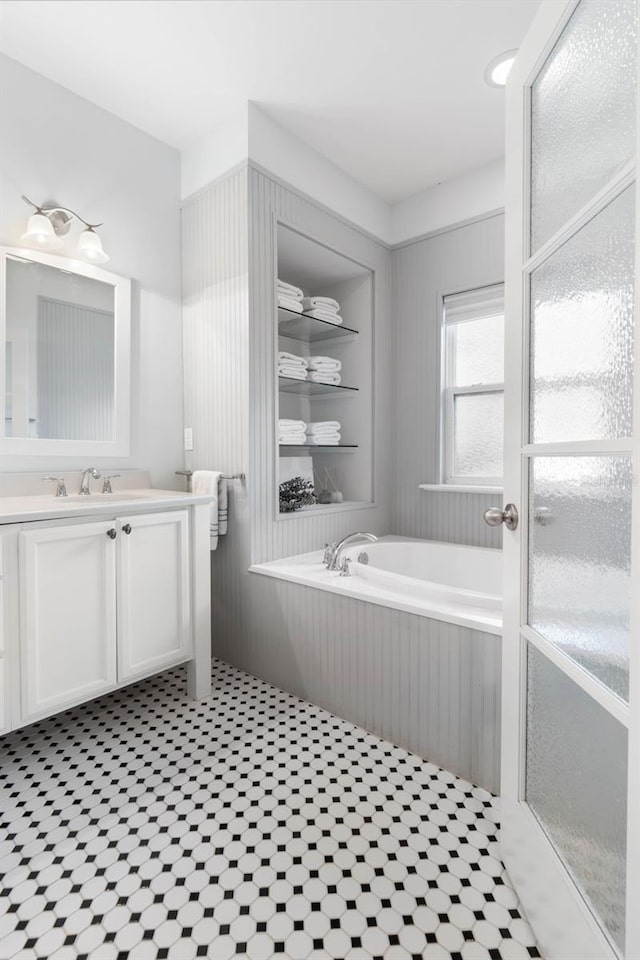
x=290, y=297
x=325, y=433
x=324, y=370
x=289, y=365
x=322, y=308
x=292, y=432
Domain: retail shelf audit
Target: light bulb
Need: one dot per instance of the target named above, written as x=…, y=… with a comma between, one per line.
x=90, y=246
x=40, y=233
x=497, y=72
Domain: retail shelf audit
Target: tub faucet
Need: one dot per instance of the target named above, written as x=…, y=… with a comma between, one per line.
x=334, y=553
x=85, y=490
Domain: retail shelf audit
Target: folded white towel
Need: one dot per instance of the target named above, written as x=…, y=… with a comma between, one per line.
x=322, y=425
x=290, y=290
x=292, y=373
x=295, y=440
x=320, y=376
x=324, y=315
x=288, y=304
x=300, y=424
x=211, y=482
x=324, y=363
x=292, y=358
x=322, y=303
x=330, y=440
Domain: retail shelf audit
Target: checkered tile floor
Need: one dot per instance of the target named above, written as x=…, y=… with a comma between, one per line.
x=145, y=825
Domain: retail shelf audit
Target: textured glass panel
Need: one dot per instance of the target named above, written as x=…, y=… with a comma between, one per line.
x=478, y=351
x=583, y=112
x=579, y=561
x=576, y=785
x=478, y=430
x=582, y=305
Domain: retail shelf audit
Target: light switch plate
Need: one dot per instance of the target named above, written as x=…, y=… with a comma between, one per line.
x=188, y=438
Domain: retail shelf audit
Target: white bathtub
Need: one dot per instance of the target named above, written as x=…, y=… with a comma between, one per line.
x=443, y=581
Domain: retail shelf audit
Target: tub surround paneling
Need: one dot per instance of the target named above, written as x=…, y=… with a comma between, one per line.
x=460, y=259
x=429, y=686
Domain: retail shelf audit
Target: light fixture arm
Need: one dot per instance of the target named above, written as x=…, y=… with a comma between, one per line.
x=69, y=213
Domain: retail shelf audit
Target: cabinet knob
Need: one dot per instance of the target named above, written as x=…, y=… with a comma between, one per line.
x=112, y=534
x=126, y=528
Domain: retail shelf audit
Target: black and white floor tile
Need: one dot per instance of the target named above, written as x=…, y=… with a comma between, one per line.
x=251, y=824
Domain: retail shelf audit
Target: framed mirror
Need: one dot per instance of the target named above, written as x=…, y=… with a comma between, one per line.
x=65, y=337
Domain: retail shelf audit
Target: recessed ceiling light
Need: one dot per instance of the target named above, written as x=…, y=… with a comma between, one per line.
x=498, y=70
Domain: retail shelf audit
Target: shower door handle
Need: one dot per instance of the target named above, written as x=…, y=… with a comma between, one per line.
x=494, y=516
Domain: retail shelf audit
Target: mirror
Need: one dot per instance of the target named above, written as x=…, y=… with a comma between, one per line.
x=66, y=356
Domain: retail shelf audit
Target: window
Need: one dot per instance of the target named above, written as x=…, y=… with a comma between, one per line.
x=473, y=387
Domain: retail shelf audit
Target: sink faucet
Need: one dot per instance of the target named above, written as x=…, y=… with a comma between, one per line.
x=332, y=555
x=85, y=490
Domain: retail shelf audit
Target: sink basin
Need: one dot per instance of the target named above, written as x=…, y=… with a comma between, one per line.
x=102, y=498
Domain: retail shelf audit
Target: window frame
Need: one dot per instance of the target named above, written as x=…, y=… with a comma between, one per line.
x=449, y=393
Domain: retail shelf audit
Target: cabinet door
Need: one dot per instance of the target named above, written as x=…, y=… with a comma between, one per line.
x=67, y=615
x=153, y=592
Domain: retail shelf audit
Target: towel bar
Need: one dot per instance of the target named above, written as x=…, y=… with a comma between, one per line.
x=225, y=476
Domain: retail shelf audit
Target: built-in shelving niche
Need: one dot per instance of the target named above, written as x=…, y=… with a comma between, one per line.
x=321, y=271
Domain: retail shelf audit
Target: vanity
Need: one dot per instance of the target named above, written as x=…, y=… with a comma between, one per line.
x=103, y=580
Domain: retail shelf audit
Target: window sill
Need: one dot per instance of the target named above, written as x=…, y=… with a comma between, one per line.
x=460, y=488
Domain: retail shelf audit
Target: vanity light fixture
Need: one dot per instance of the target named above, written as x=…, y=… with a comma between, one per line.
x=47, y=226
x=497, y=72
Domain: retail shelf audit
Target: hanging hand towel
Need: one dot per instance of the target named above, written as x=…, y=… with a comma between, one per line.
x=211, y=483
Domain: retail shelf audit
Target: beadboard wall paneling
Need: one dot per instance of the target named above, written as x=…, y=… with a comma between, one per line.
x=216, y=373
x=463, y=258
x=216, y=325
x=429, y=686
x=271, y=537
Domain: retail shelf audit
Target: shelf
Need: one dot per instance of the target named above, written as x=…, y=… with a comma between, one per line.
x=310, y=388
x=297, y=326
x=337, y=447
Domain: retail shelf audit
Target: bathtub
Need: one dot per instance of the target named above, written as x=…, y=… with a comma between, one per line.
x=442, y=581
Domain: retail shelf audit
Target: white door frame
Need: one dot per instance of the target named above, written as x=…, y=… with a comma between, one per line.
x=561, y=919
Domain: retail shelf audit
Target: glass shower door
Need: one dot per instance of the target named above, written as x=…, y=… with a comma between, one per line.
x=570, y=641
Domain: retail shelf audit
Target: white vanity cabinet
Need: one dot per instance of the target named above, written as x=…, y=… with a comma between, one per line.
x=152, y=592
x=95, y=599
x=101, y=603
x=67, y=614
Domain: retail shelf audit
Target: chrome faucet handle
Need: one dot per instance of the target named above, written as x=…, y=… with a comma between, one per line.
x=344, y=567
x=106, y=482
x=61, y=490
x=329, y=550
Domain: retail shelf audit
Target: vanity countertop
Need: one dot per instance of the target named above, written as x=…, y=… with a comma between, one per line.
x=36, y=507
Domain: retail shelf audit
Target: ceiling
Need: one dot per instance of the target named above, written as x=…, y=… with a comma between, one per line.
x=392, y=91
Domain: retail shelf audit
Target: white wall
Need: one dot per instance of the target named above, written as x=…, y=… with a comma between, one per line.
x=58, y=146
x=251, y=134
x=471, y=195
x=213, y=156
x=291, y=160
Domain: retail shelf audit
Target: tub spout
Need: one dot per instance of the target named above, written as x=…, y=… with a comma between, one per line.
x=334, y=559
